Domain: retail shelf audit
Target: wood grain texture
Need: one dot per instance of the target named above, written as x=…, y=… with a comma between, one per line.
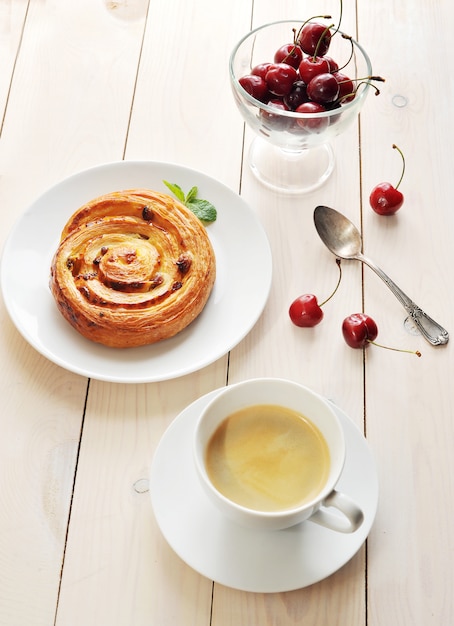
x=12, y=19
x=409, y=413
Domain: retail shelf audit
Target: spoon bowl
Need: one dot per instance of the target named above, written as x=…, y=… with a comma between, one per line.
x=343, y=239
x=338, y=234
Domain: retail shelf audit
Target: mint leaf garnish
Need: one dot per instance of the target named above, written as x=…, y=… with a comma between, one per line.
x=191, y=195
x=202, y=209
x=176, y=190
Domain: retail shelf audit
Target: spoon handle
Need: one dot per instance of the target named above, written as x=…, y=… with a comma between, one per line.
x=429, y=328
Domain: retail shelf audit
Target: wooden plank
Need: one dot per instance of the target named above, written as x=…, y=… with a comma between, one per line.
x=183, y=109
x=125, y=570
x=68, y=109
x=409, y=412
x=40, y=424
x=12, y=20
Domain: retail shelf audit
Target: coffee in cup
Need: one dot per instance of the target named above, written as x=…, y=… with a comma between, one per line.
x=267, y=457
x=269, y=453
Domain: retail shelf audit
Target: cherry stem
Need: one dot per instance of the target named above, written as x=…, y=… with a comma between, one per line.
x=338, y=261
x=320, y=40
x=378, y=79
x=379, y=345
x=351, y=51
x=340, y=18
x=403, y=164
x=353, y=93
x=291, y=53
x=346, y=97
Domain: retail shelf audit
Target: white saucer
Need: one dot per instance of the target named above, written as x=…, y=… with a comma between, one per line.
x=245, y=559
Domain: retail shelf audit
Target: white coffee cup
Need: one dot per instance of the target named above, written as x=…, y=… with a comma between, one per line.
x=296, y=398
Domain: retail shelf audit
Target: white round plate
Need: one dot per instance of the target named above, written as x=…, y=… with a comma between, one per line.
x=243, y=279
x=245, y=559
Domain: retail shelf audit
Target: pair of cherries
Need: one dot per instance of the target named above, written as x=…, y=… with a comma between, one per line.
x=358, y=329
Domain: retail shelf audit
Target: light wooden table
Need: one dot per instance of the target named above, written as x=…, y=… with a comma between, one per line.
x=83, y=82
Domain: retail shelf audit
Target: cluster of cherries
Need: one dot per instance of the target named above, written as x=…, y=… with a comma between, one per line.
x=308, y=84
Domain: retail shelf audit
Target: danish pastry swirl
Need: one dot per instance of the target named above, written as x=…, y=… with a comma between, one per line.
x=132, y=268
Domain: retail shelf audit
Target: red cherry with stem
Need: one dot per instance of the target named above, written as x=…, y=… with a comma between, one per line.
x=297, y=34
x=280, y=78
x=289, y=53
x=323, y=89
x=360, y=330
x=305, y=310
x=311, y=66
x=386, y=199
x=315, y=37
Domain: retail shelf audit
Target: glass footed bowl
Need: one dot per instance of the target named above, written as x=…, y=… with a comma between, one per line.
x=292, y=152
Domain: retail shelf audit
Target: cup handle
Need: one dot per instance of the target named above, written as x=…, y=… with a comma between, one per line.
x=352, y=517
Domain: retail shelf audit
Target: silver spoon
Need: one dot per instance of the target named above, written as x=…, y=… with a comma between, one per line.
x=343, y=239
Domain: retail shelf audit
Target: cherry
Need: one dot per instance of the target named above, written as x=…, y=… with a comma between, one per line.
x=255, y=86
x=261, y=69
x=276, y=121
x=323, y=88
x=305, y=311
x=346, y=87
x=333, y=65
x=386, y=199
x=289, y=53
x=312, y=124
x=311, y=66
x=280, y=78
x=359, y=330
x=297, y=96
x=314, y=37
